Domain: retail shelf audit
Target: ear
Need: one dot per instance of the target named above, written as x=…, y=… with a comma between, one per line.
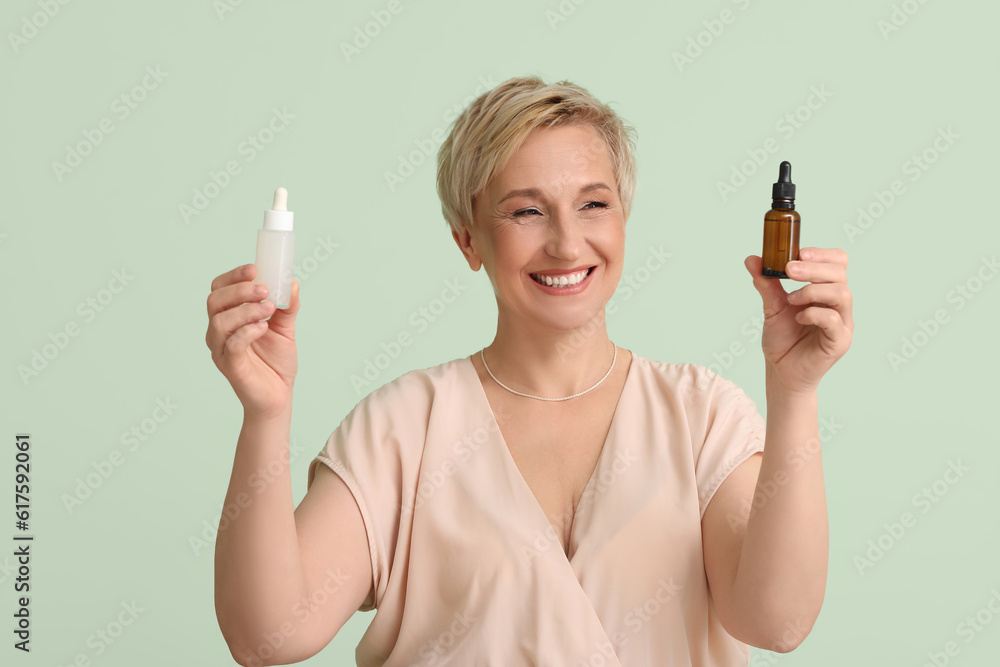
x=464, y=240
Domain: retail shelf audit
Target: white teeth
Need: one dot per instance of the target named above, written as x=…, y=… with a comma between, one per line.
x=561, y=281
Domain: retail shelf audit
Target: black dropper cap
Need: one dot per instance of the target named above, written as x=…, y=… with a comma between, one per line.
x=784, y=188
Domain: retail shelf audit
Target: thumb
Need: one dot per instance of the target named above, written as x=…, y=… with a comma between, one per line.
x=771, y=291
x=283, y=319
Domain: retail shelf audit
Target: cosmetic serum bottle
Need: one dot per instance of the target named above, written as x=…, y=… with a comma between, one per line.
x=781, y=226
x=276, y=251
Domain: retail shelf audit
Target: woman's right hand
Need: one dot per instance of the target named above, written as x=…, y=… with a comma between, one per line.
x=257, y=357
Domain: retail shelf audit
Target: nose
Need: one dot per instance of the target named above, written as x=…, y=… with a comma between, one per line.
x=564, y=236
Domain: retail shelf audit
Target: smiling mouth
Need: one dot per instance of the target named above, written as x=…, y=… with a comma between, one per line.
x=566, y=280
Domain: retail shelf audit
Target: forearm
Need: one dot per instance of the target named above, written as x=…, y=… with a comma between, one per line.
x=783, y=564
x=258, y=566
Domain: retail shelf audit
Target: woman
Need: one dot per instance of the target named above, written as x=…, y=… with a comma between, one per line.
x=552, y=498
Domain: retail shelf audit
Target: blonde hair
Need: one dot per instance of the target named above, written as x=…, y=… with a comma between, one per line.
x=486, y=135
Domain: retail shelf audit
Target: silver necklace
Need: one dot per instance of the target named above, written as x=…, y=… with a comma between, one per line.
x=482, y=355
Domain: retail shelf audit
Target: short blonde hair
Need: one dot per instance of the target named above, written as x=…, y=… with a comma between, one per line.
x=486, y=135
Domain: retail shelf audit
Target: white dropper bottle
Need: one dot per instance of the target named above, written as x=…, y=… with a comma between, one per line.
x=276, y=251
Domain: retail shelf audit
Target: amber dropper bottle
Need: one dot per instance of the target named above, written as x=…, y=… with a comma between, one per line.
x=781, y=226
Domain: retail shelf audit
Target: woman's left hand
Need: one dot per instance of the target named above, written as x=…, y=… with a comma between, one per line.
x=808, y=330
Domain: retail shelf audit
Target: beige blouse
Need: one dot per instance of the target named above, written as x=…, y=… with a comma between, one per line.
x=467, y=568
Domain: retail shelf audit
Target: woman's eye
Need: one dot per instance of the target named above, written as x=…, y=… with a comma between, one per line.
x=517, y=213
x=587, y=206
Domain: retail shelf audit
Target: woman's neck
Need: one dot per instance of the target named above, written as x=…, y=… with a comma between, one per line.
x=551, y=362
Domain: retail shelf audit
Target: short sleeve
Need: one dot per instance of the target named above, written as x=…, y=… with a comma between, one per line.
x=733, y=431
x=365, y=452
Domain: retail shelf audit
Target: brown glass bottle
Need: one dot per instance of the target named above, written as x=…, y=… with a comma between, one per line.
x=781, y=226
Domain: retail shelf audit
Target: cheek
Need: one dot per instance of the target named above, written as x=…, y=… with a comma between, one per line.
x=504, y=263
x=514, y=251
x=614, y=275
x=613, y=247
x=614, y=255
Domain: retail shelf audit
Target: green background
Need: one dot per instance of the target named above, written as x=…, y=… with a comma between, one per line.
x=63, y=235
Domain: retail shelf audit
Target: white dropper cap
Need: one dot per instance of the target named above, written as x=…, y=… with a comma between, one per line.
x=279, y=218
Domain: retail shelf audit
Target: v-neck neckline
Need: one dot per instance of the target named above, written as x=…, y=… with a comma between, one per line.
x=595, y=473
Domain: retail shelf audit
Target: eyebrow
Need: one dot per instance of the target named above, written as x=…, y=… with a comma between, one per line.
x=532, y=192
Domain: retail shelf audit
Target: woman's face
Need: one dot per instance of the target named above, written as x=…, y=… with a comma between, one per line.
x=553, y=210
